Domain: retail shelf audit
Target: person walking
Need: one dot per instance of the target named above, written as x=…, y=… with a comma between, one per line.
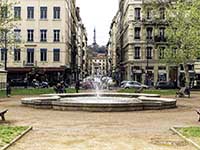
x=8, y=90
x=77, y=86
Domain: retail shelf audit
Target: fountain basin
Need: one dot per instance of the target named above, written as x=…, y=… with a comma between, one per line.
x=131, y=95
x=109, y=102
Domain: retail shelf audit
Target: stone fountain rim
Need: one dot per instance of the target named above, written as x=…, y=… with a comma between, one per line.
x=102, y=94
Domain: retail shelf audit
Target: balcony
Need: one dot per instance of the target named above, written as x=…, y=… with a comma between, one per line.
x=137, y=37
x=137, y=57
x=149, y=39
x=160, y=39
x=29, y=64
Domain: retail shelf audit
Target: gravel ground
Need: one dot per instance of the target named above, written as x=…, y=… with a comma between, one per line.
x=65, y=130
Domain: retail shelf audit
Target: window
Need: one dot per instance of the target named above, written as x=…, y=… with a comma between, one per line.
x=161, y=52
x=149, y=13
x=56, y=54
x=2, y=35
x=174, y=52
x=137, y=13
x=30, y=55
x=3, y=53
x=56, y=35
x=43, y=35
x=149, y=53
x=43, y=12
x=30, y=36
x=149, y=33
x=30, y=12
x=137, y=33
x=17, y=12
x=4, y=12
x=162, y=13
x=43, y=54
x=17, y=54
x=137, y=52
x=17, y=35
x=162, y=33
x=56, y=12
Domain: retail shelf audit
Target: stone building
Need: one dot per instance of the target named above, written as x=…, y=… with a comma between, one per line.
x=113, y=48
x=82, y=48
x=98, y=65
x=46, y=37
x=137, y=43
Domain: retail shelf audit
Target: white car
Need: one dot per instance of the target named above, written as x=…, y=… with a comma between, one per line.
x=133, y=84
x=123, y=83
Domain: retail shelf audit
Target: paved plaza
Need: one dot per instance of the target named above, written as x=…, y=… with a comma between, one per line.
x=68, y=130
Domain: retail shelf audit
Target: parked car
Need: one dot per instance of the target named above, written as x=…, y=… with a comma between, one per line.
x=165, y=85
x=37, y=84
x=18, y=82
x=87, y=85
x=123, y=82
x=133, y=84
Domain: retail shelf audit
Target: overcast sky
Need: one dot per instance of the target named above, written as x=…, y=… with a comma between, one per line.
x=97, y=14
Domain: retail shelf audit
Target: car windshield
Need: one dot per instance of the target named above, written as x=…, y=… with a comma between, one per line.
x=137, y=83
x=162, y=83
x=133, y=83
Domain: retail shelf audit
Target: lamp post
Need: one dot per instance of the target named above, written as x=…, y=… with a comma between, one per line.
x=147, y=68
x=5, y=48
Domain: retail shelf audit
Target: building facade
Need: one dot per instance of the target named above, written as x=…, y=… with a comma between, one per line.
x=98, y=65
x=81, y=48
x=46, y=41
x=137, y=37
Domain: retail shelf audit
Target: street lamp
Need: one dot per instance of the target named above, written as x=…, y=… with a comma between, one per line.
x=147, y=68
x=5, y=48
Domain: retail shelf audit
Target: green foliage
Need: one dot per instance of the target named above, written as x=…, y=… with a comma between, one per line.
x=190, y=131
x=7, y=24
x=37, y=91
x=182, y=23
x=7, y=133
x=182, y=32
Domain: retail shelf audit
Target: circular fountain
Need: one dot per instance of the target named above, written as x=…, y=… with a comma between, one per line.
x=106, y=102
x=100, y=102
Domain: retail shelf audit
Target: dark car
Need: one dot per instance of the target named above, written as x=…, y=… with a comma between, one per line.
x=165, y=85
x=18, y=82
x=37, y=84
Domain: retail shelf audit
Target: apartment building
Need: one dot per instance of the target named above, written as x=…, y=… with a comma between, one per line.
x=113, y=48
x=98, y=65
x=45, y=36
x=81, y=48
x=139, y=43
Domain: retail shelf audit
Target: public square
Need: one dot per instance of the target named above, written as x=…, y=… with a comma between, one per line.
x=75, y=130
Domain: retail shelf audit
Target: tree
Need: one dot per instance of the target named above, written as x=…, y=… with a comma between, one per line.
x=7, y=24
x=182, y=32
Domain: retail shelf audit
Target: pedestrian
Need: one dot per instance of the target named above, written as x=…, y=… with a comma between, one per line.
x=195, y=83
x=25, y=83
x=62, y=83
x=77, y=86
x=8, y=90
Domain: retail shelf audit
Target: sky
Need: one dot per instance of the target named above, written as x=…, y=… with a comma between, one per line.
x=97, y=14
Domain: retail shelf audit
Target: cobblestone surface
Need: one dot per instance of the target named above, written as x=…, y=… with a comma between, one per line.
x=63, y=130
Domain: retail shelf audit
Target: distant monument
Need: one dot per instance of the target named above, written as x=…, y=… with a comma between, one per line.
x=95, y=48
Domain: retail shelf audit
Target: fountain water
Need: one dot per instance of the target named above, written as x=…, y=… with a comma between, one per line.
x=97, y=84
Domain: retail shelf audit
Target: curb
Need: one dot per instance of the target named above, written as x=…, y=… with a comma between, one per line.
x=16, y=139
x=185, y=138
